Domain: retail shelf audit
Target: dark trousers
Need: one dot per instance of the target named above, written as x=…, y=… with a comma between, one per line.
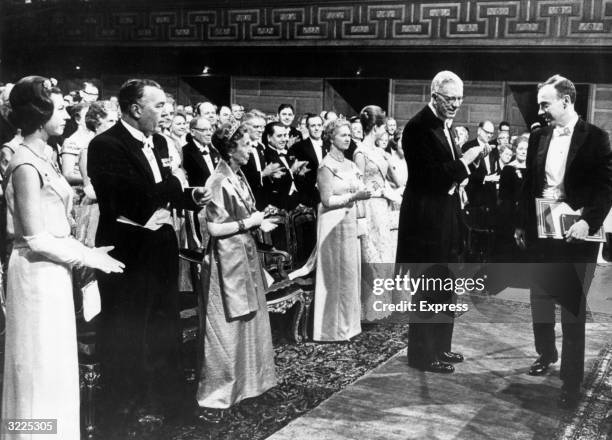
x=564, y=279
x=430, y=333
x=138, y=338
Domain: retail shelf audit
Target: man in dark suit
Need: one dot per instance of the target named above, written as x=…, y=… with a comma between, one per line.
x=282, y=192
x=312, y=151
x=138, y=338
x=570, y=161
x=430, y=225
x=257, y=171
x=481, y=188
x=200, y=157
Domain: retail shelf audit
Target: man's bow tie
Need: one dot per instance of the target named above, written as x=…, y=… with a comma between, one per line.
x=147, y=143
x=563, y=131
x=282, y=152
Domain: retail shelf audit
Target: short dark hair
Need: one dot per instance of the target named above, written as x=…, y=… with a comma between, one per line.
x=502, y=124
x=31, y=103
x=371, y=116
x=562, y=85
x=132, y=90
x=310, y=116
x=96, y=112
x=284, y=106
x=269, y=130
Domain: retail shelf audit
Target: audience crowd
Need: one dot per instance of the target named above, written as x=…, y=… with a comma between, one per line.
x=244, y=168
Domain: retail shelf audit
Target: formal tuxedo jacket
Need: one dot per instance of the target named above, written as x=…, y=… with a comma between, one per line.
x=138, y=336
x=304, y=150
x=276, y=191
x=478, y=191
x=429, y=215
x=254, y=178
x=194, y=164
x=587, y=179
x=124, y=182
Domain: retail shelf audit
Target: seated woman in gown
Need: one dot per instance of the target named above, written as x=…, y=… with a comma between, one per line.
x=41, y=372
x=337, y=309
x=238, y=358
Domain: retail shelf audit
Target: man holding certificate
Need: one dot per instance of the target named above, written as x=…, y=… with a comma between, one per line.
x=568, y=161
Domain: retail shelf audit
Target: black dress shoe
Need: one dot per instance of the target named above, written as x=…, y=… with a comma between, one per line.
x=439, y=367
x=569, y=398
x=449, y=356
x=540, y=366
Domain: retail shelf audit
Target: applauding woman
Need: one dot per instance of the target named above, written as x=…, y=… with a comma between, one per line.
x=41, y=376
x=337, y=306
x=238, y=360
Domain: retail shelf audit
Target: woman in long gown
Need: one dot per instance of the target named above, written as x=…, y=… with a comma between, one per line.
x=337, y=309
x=238, y=360
x=41, y=376
x=377, y=245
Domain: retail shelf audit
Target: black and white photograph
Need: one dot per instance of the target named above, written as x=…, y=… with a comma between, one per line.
x=305, y=220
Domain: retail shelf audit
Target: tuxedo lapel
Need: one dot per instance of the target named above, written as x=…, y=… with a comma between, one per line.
x=439, y=133
x=134, y=148
x=312, y=153
x=541, y=156
x=578, y=138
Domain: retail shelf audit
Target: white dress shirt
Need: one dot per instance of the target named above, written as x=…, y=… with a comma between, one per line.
x=556, y=159
x=147, y=149
x=205, y=149
x=317, y=144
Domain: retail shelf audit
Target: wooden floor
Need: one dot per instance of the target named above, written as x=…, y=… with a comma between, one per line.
x=490, y=396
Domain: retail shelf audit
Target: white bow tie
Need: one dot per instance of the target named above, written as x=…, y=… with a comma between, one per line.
x=148, y=143
x=563, y=131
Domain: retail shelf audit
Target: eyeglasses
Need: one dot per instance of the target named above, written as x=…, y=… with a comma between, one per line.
x=450, y=99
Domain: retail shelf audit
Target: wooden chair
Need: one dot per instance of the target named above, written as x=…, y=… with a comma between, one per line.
x=281, y=296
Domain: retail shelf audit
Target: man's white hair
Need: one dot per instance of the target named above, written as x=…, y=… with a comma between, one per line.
x=441, y=78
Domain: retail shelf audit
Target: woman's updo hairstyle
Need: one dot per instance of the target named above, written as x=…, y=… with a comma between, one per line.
x=331, y=128
x=371, y=116
x=226, y=138
x=31, y=104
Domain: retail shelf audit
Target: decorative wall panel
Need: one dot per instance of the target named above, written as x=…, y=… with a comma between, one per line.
x=476, y=23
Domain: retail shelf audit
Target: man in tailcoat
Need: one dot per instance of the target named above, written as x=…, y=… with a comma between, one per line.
x=430, y=224
x=312, y=151
x=568, y=161
x=138, y=337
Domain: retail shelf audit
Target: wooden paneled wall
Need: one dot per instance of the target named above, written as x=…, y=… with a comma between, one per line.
x=483, y=100
x=601, y=106
x=266, y=94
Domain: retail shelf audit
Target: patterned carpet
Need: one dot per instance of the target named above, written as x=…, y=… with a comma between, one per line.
x=593, y=419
